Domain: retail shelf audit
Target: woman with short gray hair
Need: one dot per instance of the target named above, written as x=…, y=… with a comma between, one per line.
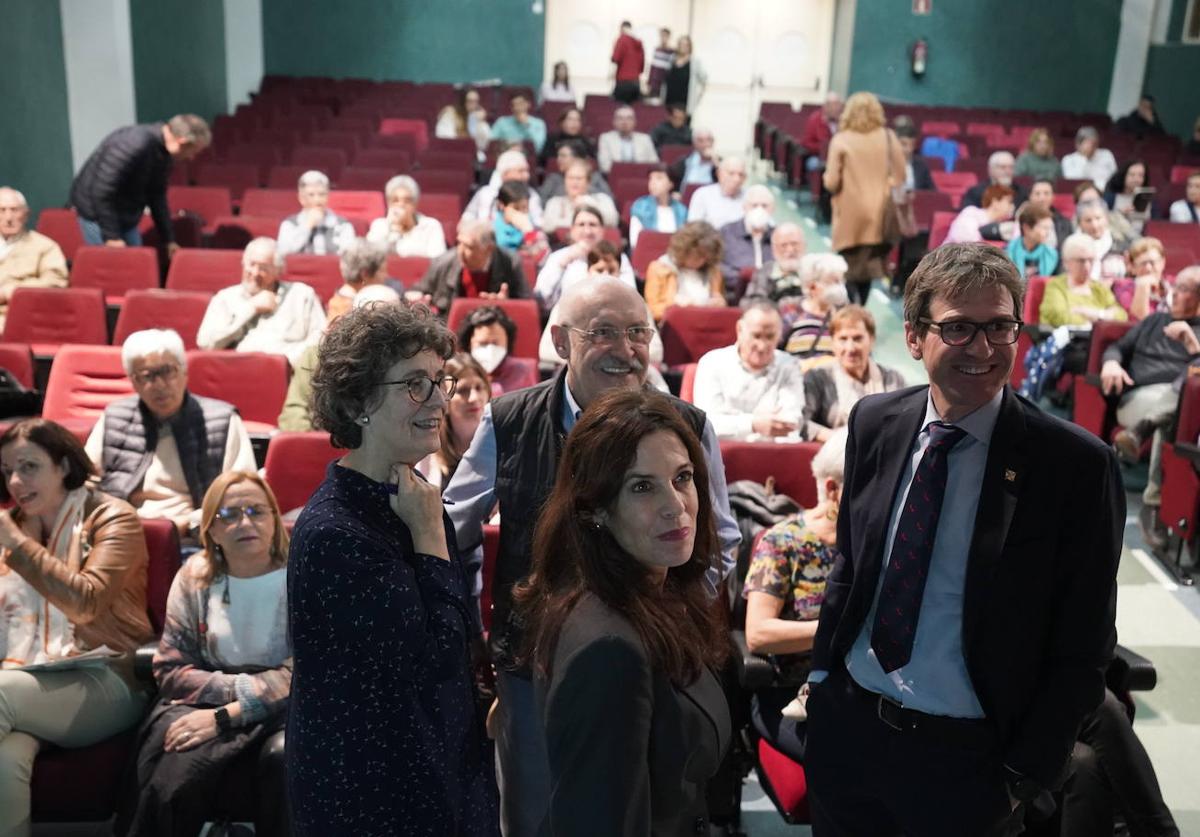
x=363, y=263
x=404, y=231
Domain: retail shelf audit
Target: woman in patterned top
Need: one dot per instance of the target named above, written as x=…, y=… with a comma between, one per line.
x=383, y=735
x=784, y=589
x=224, y=673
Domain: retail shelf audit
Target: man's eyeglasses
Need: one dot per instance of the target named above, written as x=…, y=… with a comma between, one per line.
x=608, y=335
x=420, y=387
x=962, y=332
x=232, y=515
x=160, y=373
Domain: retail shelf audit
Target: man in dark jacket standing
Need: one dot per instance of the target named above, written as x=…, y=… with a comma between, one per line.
x=127, y=172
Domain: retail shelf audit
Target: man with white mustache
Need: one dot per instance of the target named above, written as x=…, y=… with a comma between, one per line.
x=604, y=336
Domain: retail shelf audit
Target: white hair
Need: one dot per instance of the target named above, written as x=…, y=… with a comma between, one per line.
x=1078, y=243
x=261, y=243
x=998, y=157
x=728, y=162
x=152, y=341
x=757, y=192
x=20, y=198
x=510, y=159
x=313, y=178
x=376, y=293
x=830, y=461
x=815, y=265
x=402, y=181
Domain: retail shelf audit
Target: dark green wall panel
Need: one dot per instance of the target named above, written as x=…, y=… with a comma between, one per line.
x=178, y=57
x=35, y=141
x=445, y=40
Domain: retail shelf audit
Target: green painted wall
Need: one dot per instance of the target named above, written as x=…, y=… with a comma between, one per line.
x=35, y=141
x=444, y=40
x=1171, y=72
x=178, y=57
x=1042, y=54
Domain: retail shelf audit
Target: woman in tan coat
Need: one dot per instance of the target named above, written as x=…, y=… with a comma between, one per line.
x=856, y=174
x=689, y=273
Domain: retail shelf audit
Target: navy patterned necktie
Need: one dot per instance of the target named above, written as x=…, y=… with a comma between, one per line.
x=899, y=604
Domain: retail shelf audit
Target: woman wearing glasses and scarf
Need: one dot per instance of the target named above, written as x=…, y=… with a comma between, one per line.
x=383, y=735
x=213, y=747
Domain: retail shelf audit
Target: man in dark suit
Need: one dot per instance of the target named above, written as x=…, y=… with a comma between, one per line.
x=1000, y=172
x=968, y=624
x=474, y=268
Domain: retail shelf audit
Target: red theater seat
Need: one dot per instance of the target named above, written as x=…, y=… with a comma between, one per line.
x=62, y=225
x=115, y=270
x=690, y=331
x=182, y=311
x=650, y=245
x=296, y=465
x=254, y=382
x=789, y=463
x=408, y=270
x=48, y=317
x=83, y=381
x=17, y=360
x=204, y=270
x=322, y=273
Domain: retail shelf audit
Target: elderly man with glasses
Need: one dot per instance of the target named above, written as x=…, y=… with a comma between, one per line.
x=160, y=449
x=604, y=336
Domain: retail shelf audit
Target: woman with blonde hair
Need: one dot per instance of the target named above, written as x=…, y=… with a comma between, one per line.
x=865, y=162
x=689, y=273
x=1038, y=160
x=223, y=669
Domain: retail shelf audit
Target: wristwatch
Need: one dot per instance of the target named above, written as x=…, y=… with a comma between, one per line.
x=224, y=723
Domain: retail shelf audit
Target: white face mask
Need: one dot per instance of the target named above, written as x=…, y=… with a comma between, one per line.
x=835, y=296
x=758, y=218
x=490, y=356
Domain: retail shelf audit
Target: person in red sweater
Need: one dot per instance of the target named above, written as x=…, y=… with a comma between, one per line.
x=819, y=130
x=630, y=58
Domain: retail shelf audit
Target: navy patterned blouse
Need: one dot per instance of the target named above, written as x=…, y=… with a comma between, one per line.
x=382, y=737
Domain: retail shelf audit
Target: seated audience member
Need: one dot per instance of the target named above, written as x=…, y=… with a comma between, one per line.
x=721, y=203
x=751, y=390
x=510, y=165
x=297, y=405
x=363, y=264
x=160, y=449
x=1000, y=173
x=689, y=273
x=224, y=672
x=404, y=230
x=314, y=229
x=698, y=168
x=1140, y=368
x=1147, y=291
x=28, y=259
x=263, y=314
x=563, y=268
x=779, y=279
x=554, y=183
x=1075, y=298
x=674, y=130
x=1038, y=160
x=465, y=119
x=464, y=409
x=830, y=391
x=1122, y=189
x=624, y=144
x=1041, y=196
x=1092, y=218
x=1089, y=161
x=1122, y=231
x=975, y=223
x=658, y=211
x=568, y=132
x=558, y=87
x=74, y=580
x=474, y=268
x=1186, y=210
x=520, y=126
x=916, y=170
x=619, y=623
x=819, y=129
x=576, y=183
x=747, y=243
x=489, y=334
x=1029, y=250
x=513, y=229
x=806, y=325
x=1143, y=120
x=784, y=590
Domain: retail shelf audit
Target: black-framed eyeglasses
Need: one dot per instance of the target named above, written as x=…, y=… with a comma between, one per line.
x=420, y=387
x=608, y=335
x=167, y=372
x=962, y=332
x=232, y=515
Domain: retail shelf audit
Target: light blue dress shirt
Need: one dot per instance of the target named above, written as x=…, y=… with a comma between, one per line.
x=471, y=495
x=696, y=170
x=508, y=129
x=935, y=679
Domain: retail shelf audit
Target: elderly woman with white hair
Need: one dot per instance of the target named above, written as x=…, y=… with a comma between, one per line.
x=1093, y=218
x=363, y=264
x=1075, y=298
x=261, y=313
x=314, y=229
x=404, y=230
x=784, y=590
x=510, y=165
x=1089, y=161
x=823, y=282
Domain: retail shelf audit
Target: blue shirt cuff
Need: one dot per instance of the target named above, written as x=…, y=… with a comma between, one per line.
x=817, y=675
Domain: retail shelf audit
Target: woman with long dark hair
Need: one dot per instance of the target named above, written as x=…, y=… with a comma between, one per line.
x=621, y=635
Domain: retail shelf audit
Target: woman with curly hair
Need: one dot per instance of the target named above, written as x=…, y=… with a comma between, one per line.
x=689, y=273
x=383, y=734
x=621, y=633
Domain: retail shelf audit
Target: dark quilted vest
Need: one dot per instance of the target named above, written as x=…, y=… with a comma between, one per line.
x=200, y=428
x=529, y=439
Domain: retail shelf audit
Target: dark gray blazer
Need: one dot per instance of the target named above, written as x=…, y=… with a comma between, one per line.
x=629, y=753
x=443, y=280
